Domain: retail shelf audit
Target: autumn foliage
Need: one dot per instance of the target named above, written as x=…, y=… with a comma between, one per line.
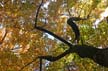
x=21, y=43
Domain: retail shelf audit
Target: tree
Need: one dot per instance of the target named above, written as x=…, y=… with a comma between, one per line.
x=23, y=43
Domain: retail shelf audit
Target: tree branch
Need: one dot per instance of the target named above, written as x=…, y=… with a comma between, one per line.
x=28, y=64
x=75, y=29
x=46, y=31
x=3, y=37
x=52, y=58
x=37, y=13
x=83, y=51
x=54, y=35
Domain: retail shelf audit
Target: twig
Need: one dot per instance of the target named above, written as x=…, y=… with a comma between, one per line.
x=37, y=13
x=68, y=9
x=40, y=64
x=28, y=64
x=3, y=37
